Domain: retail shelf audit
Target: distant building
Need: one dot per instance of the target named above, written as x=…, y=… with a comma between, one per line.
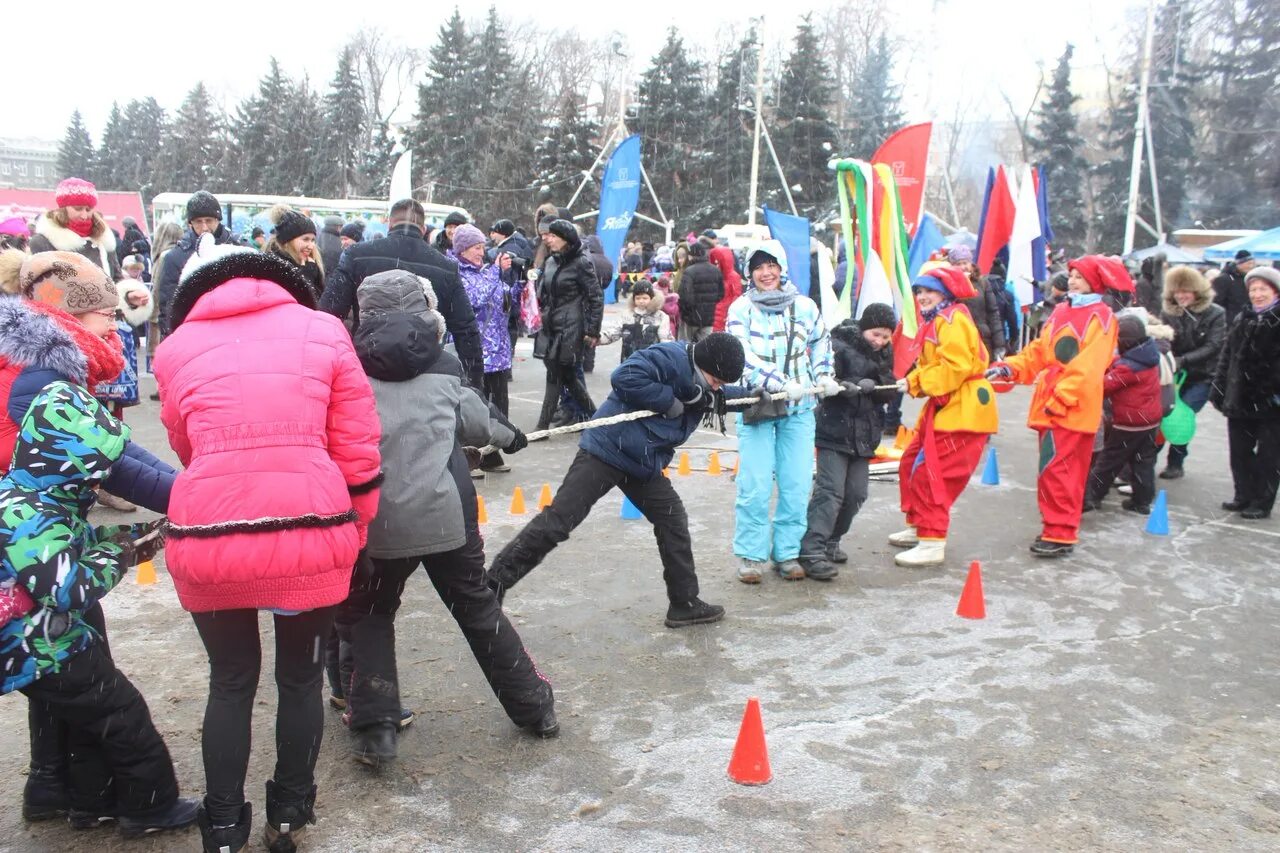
x=28, y=163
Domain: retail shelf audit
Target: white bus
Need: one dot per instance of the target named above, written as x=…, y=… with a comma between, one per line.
x=242, y=212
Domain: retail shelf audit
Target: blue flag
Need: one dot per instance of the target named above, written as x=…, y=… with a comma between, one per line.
x=793, y=233
x=1039, y=264
x=618, y=199
x=928, y=240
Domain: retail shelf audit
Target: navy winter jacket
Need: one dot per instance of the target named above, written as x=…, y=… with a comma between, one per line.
x=651, y=379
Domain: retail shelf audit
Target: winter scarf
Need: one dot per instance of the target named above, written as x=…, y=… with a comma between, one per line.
x=1080, y=300
x=928, y=316
x=105, y=355
x=1265, y=308
x=773, y=301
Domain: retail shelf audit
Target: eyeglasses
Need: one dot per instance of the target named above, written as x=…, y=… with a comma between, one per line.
x=110, y=315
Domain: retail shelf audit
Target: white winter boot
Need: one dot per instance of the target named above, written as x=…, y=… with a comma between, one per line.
x=904, y=538
x=930, y=552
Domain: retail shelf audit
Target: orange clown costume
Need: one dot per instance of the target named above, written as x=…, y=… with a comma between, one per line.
x=1067, y=362
x=959, y=414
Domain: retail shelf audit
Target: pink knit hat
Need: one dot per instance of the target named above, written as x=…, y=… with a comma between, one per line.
x=15, y=226
x=76, y=192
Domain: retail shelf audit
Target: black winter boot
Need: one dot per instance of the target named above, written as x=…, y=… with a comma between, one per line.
x=44, y=796
x=225, y=839
x=287, y=820
x=181, y=812
x=819, y=569
x=693, y=612
x=375, y=745
x=1050, y=550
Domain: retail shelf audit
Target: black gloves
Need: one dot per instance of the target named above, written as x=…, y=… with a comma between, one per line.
x=853, y=389
x=520, y=442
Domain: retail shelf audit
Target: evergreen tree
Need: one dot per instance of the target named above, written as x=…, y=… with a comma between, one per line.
x=1056, y=145
x=194, y=146
x=446, y=112
x=108, y=167
x=302, y=132
x=806, y=136
x=259, y=136
x=567, y=148
x=1172, y=129
x=75, y=153
x=876, y=107
x=345, y=131
x=145, y=123
x=673, y=122
x=1238, y=168
x=731, y=129
x=376, y=163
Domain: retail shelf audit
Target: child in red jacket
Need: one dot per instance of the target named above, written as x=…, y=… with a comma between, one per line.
x=1132, y=387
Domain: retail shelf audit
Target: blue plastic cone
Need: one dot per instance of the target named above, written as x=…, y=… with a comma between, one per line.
x=629, y=510
x=991, y=473
x=1158, y=521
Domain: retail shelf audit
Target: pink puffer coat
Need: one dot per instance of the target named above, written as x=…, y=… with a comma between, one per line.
x=269, y=409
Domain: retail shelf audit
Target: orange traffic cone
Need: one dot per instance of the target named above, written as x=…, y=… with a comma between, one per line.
x=482, y=515
x=666, y=472
x=544, y=497
x=903, y=438
x=145, y=574
x=736, y=463
x=517, y=502
x=684, y=469
x=750, y=762
x=713, y=464
x=972, y=605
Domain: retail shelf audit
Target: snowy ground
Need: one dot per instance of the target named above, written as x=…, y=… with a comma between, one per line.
x=1121, y=699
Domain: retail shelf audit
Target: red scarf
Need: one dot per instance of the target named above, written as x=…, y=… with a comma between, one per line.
x=83, y=227
x=104, y=355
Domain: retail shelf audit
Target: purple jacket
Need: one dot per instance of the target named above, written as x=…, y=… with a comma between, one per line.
x=490, y=299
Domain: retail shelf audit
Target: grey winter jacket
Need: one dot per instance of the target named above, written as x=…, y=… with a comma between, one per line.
x=427, y=501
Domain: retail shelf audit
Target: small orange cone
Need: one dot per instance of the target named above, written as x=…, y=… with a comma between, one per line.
x=145, y=574
x=713, y=464
x=517, y=502
x=482, y=515
x=666, y=472
x=736, y=462
x=972, y=605
x=903, y=438
x=684, y=469
x=544, y=497
x=750, y=762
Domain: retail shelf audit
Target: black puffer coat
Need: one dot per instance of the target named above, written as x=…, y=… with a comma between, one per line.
x=572, y=305
x=1247, y=381
x=701, y=287
x=1230, y=291
x=853, y=425
x=1198, y=334
x=985, y=311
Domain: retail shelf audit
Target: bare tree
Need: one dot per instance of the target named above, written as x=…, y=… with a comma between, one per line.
x=388, y=73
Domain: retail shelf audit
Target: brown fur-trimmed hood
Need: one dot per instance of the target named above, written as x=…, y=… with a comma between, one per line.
x=66, y=240
x=1186, y=278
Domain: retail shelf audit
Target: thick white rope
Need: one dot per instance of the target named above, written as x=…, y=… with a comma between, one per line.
x=539, y=435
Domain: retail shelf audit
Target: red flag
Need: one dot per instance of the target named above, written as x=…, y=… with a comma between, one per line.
x=907, y=154
x=997, y=222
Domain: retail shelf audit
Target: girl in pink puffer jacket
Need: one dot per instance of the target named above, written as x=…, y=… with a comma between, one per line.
x=268, y=408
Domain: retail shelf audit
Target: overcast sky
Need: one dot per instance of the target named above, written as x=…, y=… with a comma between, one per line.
x=964, y=50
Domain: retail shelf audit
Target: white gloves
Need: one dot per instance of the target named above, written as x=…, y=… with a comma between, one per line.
x=795, y=391
x=902, y=386
x=828, y=386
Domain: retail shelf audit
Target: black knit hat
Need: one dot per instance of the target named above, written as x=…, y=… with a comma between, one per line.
x=354, y=230
x=455, y=218
x=1132, y=330
x=202, y=203
x=565, y=230
x=505, y=227
x=642, y=288
x=291, y=224
x=877, y=315
x=721, y=355
x=1243, y=255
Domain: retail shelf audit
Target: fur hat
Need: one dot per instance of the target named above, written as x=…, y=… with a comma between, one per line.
x=69, y=281
x=565, y=230
x=1270, y=275
x=877, y=315
x=353, y=230
x=290, y=224
x=642, y=288
x=400, y=292
x=11, y=271
x=202, y=204
x=74, y=192
x=464, y=237
x=505, y=227
x=721, y=355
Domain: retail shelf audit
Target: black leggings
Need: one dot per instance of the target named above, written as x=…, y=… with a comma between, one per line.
x=563, y=376
x=235, y=658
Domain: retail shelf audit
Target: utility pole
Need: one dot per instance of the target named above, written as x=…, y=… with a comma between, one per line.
x=755, y=148
x=1139, y=130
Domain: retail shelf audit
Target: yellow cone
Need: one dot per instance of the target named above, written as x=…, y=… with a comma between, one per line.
x=482, y=515
x=145, y=574
x=713, y=464
x=544, y=497
x=684, y=469
x=517, y=502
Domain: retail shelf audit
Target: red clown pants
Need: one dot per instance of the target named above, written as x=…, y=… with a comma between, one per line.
x=929, y=483
x=1065, y=455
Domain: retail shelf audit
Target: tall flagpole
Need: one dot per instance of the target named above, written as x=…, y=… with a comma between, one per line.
x=1135, y=167
x=755, y=148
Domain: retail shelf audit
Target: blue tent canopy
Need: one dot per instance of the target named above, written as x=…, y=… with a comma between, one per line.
x=1172, y=254
x=1263, y=247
